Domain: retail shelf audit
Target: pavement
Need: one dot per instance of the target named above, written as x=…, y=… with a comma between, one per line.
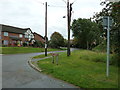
x=16, y=73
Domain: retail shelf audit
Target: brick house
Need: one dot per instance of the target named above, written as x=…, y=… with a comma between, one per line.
x=38, y=37
x=14, y=36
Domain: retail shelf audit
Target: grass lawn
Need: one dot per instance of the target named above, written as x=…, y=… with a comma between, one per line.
x=82, y=69
x=16, y=50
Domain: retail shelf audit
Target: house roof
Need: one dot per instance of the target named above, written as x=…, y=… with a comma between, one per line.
x=38, y=35
x=7, y=28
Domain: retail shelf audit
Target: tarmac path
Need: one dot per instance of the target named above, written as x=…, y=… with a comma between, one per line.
x=16, y=73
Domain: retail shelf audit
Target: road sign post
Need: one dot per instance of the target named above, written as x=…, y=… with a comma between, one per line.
x=107, y=22
x=108, y=48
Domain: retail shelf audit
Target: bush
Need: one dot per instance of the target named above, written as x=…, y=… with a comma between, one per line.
x=114, y=60
x=100, y=48
x=38, y=44
x=99, y=57
x=24, y=44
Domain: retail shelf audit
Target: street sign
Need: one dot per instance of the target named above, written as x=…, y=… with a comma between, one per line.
x=45, y=45
x=105, y=21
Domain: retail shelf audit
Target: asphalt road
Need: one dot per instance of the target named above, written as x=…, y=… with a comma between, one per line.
x=16, y=73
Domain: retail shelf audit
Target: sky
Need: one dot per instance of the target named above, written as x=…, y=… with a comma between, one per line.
x=31, y=14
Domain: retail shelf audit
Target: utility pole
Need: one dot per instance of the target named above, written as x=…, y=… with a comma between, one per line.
x=68, y=20
x=45, y=28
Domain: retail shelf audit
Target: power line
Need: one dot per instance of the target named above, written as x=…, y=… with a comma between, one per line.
x=74, y=1
x=51, y=5
x=40, y=2
x=64, y=1
x=56, y=6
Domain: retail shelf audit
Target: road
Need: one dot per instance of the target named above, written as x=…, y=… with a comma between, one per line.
x=16, y=73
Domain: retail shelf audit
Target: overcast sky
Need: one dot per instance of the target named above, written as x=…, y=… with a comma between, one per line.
x=31, y=14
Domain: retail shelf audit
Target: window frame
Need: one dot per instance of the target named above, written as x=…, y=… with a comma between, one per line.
x=5, y=42
x=20, y=35
x=5, y=34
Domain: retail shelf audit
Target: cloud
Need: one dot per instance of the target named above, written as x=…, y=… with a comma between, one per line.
x=31, y=13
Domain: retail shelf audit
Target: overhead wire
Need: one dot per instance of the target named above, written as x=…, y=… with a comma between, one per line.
x=50, y=5
x=64, y=1
x=40, y=2
x=56, y=6
x=74, y=1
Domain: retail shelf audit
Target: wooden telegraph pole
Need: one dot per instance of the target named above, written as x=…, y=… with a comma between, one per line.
x=45, y=28
x=68, y=20
x=69, y=13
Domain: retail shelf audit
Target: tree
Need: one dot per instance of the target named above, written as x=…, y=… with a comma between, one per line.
x=113, y=10
x=57, y=40
x=86, y=33
x=38, y=44
x=65, y=42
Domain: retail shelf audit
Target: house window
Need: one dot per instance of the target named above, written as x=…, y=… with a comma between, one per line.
x=5, y=33
x=29, y=37
x=28, y=31
x=21, y=42
x=32, y=36
x=26, y=36
x=5, y=42
x=20, y=35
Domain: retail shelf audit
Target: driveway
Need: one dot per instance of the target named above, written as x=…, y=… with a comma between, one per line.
x=16, y=73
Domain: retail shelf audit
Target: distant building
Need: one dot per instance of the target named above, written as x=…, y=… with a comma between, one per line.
x=38, y=37
x=14, y=36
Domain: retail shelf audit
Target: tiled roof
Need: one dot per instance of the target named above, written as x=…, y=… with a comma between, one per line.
x=38, y=35
x=7, y=28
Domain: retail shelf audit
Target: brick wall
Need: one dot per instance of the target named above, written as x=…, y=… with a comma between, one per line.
x=10, y=40
x=38, y=38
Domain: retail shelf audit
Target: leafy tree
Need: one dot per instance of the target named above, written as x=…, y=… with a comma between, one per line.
x=57, y=40
x=65, y=42
x=113, y=10
x=86, y=33
x=38, y=44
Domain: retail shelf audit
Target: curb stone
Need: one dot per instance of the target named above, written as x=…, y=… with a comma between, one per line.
x=33, y=66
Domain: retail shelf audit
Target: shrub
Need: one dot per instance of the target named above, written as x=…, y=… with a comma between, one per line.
x=38, y=44
x=24, y=44
x=99, y=57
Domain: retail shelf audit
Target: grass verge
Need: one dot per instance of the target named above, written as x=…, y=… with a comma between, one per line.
x=41, y=56
x=16, y=50
x=82, y=70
